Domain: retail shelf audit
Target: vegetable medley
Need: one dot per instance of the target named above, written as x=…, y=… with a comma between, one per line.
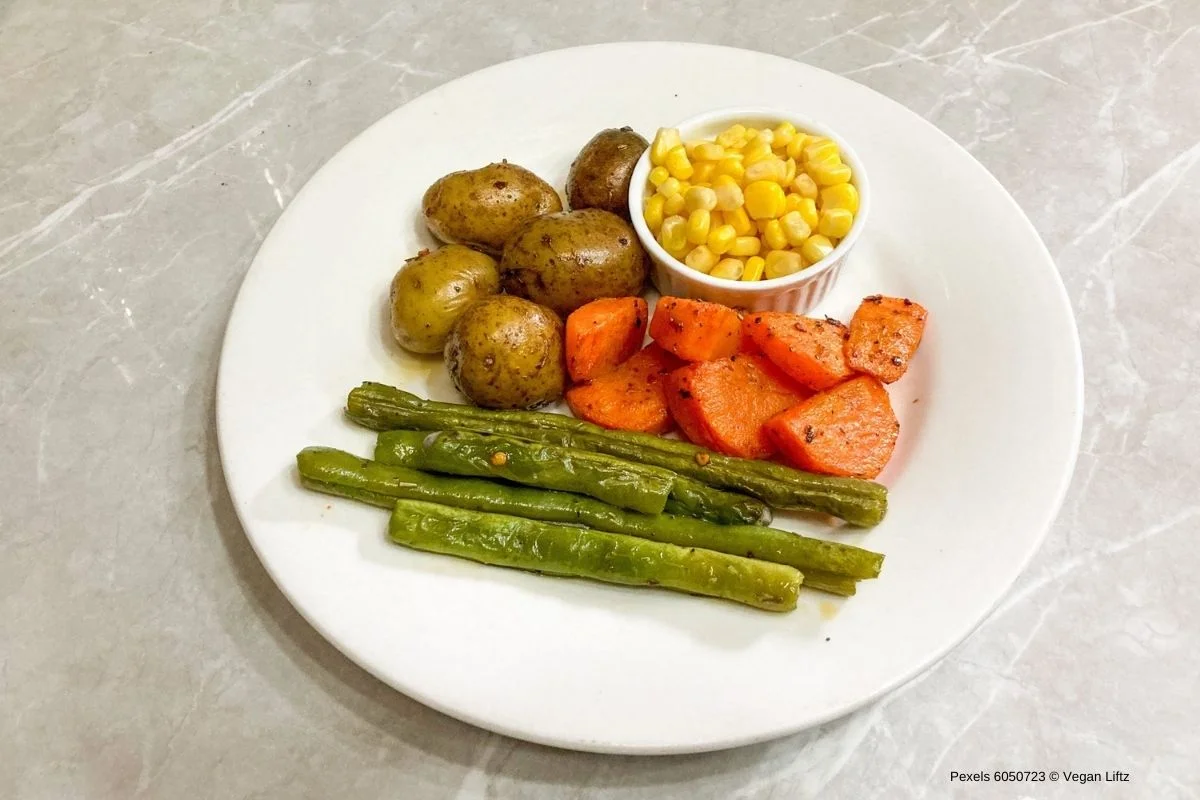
x=529, y=303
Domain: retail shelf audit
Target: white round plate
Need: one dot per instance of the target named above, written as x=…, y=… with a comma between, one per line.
x=990, y=414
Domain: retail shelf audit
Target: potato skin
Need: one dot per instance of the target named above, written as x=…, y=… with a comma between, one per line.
x=599, y=176
x=482, y=207
x=432, y=290
x=570, y=258
x=506, y=352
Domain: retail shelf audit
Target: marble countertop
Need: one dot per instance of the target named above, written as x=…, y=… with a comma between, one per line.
x=147, y=146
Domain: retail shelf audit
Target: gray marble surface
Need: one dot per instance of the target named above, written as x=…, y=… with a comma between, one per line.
x=147, y=146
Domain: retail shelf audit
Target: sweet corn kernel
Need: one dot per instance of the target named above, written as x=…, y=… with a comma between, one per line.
x=767, y=135
x=795, y=229
x=729, y=194
x=769, y=169
x=808, y=211
x=698, y=223
x=673, y=233
x=745, y=246
x=842, y=195
x=827, y=173
x=703, y=171
x=750, y=135
x=684, y=186
x=834, y=222
x=730, y=269
x=717, y=219
x=734, y=136
x=755, y=151
x=733, y=167
x=669, y=187
x=654, y=212
x=699, y=197
x=701, y=259
x=666, y=140
x=791, y=202
x=690, y=147
x=657, y=176
x=784, y=133
x=709, y=151
x=821, y=149
x=754, y=268
x=782, y=262
x=816, y=248
x=674, y=204
x=795, y=148
x=805, y=186
x=789, y=174
x=764, y=199
x=773, y=235
x=677, y=163
x=721, y=239
x=740, y=221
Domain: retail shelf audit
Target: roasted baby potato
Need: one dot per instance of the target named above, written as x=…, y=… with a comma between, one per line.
x=432, y=290
x=599, y=176
x=482, y=207
x=570, y=258
x=505, y=352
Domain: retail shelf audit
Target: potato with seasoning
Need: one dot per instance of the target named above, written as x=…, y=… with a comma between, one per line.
x=433, y=289
x=599, y=176
x=567, y=259
x=482, y=207
x=506, y=352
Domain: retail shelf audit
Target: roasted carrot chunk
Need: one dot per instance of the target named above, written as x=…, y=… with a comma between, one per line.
x=810, y=350
x=602, y=334
x=695, y=330
x=631, y=397
x=723, y=404
x=884, y=334
x=849, y=430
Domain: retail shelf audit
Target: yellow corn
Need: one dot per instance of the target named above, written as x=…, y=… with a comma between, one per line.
x=773, y=235
x=782, y=262
x=729, y=194
x=795, y=229
x=768, y=169
x=701, y=259
x=674, y=204
x=808, y=212
x=666, y=140
x=730, y=269
x=828, y=173
x=764, y=199
x=698, y=223
x=741, y=222
x=673, y=233
x=816, y=248
x=733, y=167
x=791, y=202
x=703, y=171
x=789, y=174
x=761, y=225
x=842, y=195
x=699, y=197
x=805, y=186
x=657, y=176
x=745, y=246
x=733, y=137
x=689, y=147
x=677, y=163
x=709, y=151
x=754, y=268
x=721, y=238
x=821, y=149
x=654, y=212
x=835, y=222
x=767, y=136
x=755, y=151
x=795, y=148
x=784, y=133
x=717, y=219
x=669, y=187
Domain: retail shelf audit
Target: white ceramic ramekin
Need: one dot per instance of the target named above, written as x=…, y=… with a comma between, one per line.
x=799, y=292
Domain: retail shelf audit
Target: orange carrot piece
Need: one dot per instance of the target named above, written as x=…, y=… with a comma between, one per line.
x=631, y=397
x=722, y=405
x=602, y=334
x=849, y=430
x=884, y=334
x=810, y=350
x=695, y=330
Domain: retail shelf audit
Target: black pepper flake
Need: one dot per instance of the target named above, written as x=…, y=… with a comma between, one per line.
x=875, y=298
x=827, y=638
x=651, y=582
x=500, y=184
x=809, y=434
x=897, y=360
x=907, y=302
x=685, y=394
